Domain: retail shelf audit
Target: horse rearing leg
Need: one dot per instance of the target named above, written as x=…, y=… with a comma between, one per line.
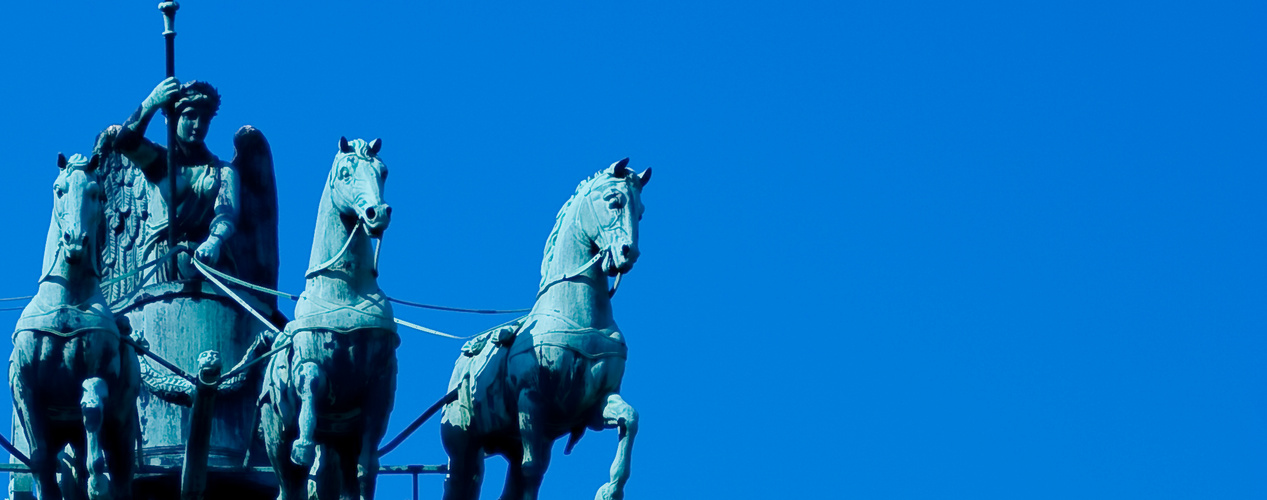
x=619, y=414
x=95, y=394
x=309, y=381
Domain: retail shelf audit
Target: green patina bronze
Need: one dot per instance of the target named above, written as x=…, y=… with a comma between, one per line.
x=121, y=353
x=74, y=381
x=558, y=370
x=335, y=384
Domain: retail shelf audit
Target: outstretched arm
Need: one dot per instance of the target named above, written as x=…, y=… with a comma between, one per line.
x=131, y=140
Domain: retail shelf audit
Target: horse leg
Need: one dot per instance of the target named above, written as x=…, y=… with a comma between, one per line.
x=92, y=403
x=619, y=414
x=292, y=479
x=514, y=487
x=23, y=371
x=466, y=464
x=119, y=436
x=338, y=479
x=378, y=408
x=309, y=382
x=44, y=460
x=536, y=447
x=119, y=443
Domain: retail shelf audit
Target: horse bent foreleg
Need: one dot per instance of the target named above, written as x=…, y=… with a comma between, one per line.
x=94, y=397
x=618, y=414
x=309, y=381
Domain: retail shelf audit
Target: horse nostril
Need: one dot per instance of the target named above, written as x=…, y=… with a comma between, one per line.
x=370, y=213
x=66, y=236
x=387, y=211
x=624, y=250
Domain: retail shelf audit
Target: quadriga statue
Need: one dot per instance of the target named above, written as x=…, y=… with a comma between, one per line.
x=559, y=370
x=335, y=384
x=73, y=379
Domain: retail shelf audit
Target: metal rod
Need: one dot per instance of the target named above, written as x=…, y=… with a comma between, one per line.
x=169, y=34
x=13, y=450
x=413, y=426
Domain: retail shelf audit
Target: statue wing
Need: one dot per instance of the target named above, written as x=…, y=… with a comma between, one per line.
x=254, y=243
x=124, y=188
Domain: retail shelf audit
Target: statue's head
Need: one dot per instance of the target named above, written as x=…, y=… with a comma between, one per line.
x=356, y=184
x=197, y=103
x=616, y=203
x=78, y=205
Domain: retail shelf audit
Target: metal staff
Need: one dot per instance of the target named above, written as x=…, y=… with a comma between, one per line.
x=169, y=33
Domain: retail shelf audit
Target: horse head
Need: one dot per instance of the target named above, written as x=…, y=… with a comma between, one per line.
x=615, y=201
x=356, y=184
x=78, y=206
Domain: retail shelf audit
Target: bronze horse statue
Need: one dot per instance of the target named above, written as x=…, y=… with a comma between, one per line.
x=561, y=370
x=74, y=381
x=335, y=383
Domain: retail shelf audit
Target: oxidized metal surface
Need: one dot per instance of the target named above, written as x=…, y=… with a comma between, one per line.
x=181, y=320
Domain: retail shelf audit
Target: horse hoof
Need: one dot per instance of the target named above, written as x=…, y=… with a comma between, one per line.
x=98, y=487
x=608, y=492
x=303, y=453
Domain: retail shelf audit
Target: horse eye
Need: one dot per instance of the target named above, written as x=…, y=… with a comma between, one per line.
x=345, y=173
x=57, y=190
x=614, y=200
x=384, y=175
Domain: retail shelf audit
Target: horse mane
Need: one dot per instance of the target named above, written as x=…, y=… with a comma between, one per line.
x=548, y=254
x=360, y=147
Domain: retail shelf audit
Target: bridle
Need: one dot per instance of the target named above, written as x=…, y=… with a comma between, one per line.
x=605, y=251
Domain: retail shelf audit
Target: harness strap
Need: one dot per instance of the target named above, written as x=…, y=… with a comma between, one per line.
x=326, y=265
x=138, y=269
x=203, y=267
x=246, y=284
x=428, y=330
x=579, y=271
x=576, y=272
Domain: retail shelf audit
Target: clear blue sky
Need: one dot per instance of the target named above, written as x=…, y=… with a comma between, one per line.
x=891, y=250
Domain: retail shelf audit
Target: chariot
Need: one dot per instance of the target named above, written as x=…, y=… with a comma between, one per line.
x=162, y=303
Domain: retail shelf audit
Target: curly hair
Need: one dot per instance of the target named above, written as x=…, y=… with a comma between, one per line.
x=201, y=94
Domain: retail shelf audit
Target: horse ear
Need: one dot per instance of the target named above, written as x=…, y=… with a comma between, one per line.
x=375, y=145
x=644, y=177
x=619, y=168
x=92, y=163
x=343, y=145
x=61, y=161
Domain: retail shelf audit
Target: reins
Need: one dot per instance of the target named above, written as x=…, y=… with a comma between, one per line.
x=346, y=244
x=580, y=270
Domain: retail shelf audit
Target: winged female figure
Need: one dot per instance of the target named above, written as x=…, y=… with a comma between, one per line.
x=211, y=195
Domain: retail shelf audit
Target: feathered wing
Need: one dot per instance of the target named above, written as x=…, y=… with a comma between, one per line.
x=254, y=243
x=125, y=217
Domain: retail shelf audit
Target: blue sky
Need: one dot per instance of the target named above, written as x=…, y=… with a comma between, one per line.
x=891, y=250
